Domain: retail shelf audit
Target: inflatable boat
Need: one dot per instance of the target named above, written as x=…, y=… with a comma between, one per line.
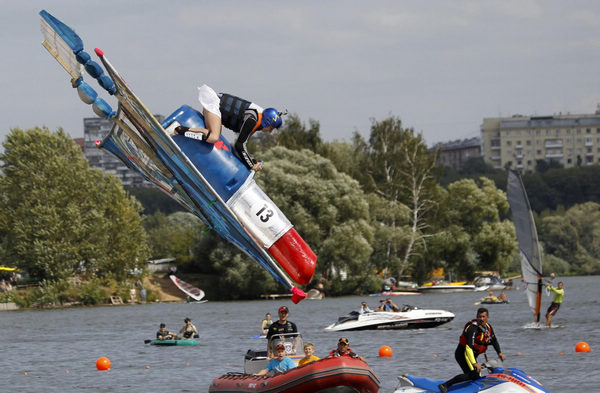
x=333, y=374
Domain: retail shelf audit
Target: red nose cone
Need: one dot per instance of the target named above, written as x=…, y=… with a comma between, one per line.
x=295, y=257
x=297, y=295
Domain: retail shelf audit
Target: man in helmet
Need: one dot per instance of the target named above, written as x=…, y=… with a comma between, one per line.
x=240, y=116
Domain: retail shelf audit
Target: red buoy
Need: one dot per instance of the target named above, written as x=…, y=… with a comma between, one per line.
x=103, y=364
x=582, y=346
x=385, y=351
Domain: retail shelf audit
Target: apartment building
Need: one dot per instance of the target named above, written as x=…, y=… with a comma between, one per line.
x=454, y=154
x=517, y=142
x=95, y=129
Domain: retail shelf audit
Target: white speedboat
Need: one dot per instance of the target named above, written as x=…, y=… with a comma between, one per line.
x=408, y=318
x=489, y=282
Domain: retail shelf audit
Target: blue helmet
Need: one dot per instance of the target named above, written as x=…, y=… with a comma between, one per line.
x=270, y=117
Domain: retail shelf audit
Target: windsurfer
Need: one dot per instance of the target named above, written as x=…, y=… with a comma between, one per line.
x=559, y=294
x=474, y=340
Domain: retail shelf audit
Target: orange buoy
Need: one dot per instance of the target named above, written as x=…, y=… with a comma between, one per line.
x=582, y=346
x=147, y=367
x=103, y=364
x=385, y=351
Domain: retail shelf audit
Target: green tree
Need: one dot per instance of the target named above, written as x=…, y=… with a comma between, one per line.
x=400, y=169
x=471, y=214
x=56, y=213
x=328, y=208
x=174, y=235
x=294, y=135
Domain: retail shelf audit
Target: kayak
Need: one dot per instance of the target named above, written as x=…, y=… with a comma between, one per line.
x=334, y=374
x=173, y=342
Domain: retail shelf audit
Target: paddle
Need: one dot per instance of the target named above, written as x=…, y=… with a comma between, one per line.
x=149, y=341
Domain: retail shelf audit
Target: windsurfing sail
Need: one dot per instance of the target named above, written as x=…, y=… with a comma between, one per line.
x=529, y=249
x=195, y=293
x=207, y=179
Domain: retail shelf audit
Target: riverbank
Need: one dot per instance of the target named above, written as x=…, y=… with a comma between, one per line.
x=159, y=288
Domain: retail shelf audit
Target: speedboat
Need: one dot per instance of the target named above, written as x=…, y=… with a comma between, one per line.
x=256, y=360
x=446, y=287
x=409, y=317
x=499, y=380
x=489, y=282
x=332, y=374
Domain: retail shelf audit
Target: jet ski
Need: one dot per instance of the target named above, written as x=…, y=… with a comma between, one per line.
x=409, y=317
x=499, y=380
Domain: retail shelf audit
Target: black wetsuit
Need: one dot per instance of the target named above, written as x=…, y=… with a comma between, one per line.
x=238, y=115
x=477, y=338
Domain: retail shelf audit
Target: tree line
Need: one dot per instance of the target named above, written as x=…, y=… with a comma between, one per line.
x=369, y=208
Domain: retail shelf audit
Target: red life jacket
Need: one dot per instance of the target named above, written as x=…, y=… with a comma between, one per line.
x=482, y=338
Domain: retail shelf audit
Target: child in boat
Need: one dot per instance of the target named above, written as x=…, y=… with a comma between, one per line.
x=309, y=354
x=278, y=364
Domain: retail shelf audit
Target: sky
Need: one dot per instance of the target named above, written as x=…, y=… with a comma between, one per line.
x=441, y=67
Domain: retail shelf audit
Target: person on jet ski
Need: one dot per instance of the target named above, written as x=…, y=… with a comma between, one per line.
x=476, y=336
x=240, y=116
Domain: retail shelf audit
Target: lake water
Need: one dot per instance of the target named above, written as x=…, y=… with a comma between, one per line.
x=56, y=350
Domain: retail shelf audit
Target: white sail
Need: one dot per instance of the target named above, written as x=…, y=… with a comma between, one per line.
x=195, y=293
x=531, y=258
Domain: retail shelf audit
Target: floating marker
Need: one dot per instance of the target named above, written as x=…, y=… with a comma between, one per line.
x=582, y=346
x=103, y=364
x=385, y=351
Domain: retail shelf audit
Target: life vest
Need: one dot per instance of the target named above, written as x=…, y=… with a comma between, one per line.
x=233, y=110
x=350, y=353
x=482, y=338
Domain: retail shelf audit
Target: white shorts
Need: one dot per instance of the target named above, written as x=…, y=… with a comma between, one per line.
x=209, y=99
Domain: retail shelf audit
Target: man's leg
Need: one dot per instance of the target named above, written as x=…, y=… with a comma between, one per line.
x=213, y=124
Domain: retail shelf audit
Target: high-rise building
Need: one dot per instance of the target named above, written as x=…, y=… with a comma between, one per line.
x=95, y=129
x=517, y=142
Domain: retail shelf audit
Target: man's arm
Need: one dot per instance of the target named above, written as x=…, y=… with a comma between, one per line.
x=469, y=352
x=250, y=120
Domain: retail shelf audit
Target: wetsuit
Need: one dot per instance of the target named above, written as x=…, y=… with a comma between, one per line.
x=473, y=341
x=559, y=294
x=244, y=118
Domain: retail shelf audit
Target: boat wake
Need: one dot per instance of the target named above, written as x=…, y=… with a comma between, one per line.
x=534, y=325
